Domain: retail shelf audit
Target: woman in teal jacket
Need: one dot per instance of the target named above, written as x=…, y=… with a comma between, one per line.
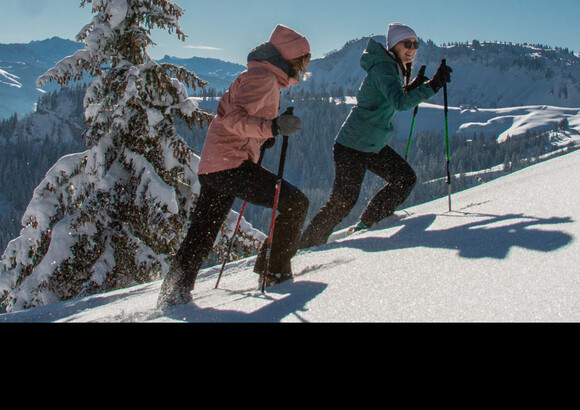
x=361, y=143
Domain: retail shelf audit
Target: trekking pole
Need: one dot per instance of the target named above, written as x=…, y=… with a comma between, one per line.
x=446, y=107
x=262, y=151
x=421, y=73
x=264, y=274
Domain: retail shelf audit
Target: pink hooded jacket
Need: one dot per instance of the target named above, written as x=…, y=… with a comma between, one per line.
x=244, y=118
x=246, y=111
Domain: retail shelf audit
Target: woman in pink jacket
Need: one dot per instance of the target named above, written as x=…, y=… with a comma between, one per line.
x=246, y=118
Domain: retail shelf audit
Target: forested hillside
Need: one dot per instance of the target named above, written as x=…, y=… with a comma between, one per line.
x=30, y=146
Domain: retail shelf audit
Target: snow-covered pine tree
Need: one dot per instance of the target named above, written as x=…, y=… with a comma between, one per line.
x=113, y=215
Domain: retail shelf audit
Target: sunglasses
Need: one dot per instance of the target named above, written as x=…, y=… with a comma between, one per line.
x=409, y=44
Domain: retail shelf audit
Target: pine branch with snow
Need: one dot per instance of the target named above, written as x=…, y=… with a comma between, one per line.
x=112, y=216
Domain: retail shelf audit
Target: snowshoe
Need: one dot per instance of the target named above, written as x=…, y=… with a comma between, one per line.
x=171, y=293
x=356, y=228
x=174, y=298
x=275, y=278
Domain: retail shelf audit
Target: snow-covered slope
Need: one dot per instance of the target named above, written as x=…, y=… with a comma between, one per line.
x=508, y=251
x=499, y=122
x=9, y=80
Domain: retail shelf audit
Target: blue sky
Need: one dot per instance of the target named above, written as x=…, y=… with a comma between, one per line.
x=229, y=29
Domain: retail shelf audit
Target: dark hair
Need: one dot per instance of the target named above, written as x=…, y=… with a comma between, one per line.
x=408, y=70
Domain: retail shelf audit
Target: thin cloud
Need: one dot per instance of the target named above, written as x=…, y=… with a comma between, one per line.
x=208, y=48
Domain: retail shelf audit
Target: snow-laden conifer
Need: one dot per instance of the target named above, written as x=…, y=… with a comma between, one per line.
x=113, y=215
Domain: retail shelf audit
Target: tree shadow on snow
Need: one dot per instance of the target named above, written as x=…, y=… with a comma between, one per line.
x=479, y=239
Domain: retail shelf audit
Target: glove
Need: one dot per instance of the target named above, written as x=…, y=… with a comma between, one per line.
x=418, y=81
x=442, y=76
x=286, y=124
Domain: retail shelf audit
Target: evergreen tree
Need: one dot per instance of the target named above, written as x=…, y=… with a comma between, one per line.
x=112, y=216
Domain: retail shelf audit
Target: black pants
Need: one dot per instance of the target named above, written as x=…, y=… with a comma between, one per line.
x=253, y=184
x=351, y=166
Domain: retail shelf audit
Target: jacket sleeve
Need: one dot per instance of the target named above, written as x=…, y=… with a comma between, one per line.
x=389, y=83
x=253, y=106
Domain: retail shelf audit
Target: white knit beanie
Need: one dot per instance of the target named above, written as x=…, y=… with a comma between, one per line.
x=398, y=32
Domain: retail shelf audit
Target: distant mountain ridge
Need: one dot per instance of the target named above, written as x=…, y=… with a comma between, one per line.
x=42, y=53
x=486, y=75
x=219, y=74
x=22, y=64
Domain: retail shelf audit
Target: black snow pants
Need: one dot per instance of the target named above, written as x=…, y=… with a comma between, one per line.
x=351, y=166
x=251, y=183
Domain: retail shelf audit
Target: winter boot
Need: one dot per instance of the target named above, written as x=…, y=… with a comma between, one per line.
x=174, y=298
x=171, y=294
x=355, y=228
x=260, y=265
x=275, y=278
x=272, y=278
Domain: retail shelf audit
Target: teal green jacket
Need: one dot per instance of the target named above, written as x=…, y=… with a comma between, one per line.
x=368, y=127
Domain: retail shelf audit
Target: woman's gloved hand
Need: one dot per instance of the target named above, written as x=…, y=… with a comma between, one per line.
x=286, y=124
x=442, y=76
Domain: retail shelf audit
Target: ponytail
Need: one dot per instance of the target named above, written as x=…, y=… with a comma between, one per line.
x=408, y=70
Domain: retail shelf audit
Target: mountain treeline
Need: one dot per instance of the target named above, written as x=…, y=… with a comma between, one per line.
x=24, y=161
